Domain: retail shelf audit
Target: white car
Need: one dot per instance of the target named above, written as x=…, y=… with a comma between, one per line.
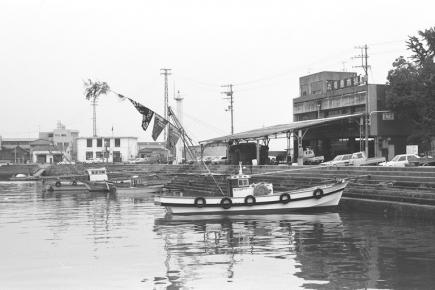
x=138, y=160
x=339, y=160
x=219, y=160
x=401, y=160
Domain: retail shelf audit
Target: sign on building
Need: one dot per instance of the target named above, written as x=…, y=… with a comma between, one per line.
x=388, y=116
x=412, y=149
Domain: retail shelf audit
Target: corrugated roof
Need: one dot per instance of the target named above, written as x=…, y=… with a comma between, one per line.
x=277, y=129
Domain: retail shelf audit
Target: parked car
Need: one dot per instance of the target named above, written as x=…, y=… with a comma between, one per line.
x=219, y=160
x=138, y=160
x=339, y=160
x=208, y=159
x=5, y=162
x=360, y=159
x=401, y=160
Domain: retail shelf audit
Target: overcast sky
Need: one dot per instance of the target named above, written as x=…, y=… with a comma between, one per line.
x=47, y=49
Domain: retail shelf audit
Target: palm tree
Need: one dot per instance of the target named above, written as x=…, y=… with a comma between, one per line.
x=92, y=91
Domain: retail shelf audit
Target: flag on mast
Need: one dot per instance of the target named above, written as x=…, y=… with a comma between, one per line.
x=173, y=136
x=147, y=114
x=159, y=125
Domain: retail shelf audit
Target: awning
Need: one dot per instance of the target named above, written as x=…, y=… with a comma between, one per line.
x=278, y=129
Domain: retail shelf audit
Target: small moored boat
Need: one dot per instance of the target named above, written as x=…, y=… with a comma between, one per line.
x=247, y=197
x=98, y=180
x=137, y=185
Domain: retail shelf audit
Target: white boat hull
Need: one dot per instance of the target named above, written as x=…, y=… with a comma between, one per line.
x=299, y=199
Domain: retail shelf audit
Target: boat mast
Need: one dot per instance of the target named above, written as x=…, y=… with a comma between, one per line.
x=189, y=143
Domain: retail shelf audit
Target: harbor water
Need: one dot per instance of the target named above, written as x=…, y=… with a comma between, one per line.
x=78, y=240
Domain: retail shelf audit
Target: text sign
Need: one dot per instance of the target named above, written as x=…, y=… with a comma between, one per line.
x=388, y=116
x=412, y=149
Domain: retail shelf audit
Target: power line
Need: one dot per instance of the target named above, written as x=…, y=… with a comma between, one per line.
x=205, y=124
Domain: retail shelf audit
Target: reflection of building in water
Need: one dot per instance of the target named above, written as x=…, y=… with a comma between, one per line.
x=329, y=253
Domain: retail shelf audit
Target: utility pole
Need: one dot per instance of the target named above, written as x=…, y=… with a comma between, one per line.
x=165, y=72
x=229, y=94
x=364, y=65
x=180, y=149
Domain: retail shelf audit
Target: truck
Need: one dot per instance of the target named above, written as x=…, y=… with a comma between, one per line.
x=360, y=159
x=310, y=158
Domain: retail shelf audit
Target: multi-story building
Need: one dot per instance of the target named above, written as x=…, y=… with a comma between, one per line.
x=329, y=94
x=64, y=139
x=110, y=149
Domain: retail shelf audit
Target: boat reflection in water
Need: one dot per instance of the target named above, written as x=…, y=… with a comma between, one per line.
x=314, y=251
x=245, y=250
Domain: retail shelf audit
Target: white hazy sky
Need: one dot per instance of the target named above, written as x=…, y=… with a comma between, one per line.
x=48, y=47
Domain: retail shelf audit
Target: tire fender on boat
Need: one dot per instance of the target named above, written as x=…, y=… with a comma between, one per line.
x=318, y=193
x=284, y=198
x=226, y=203
x=199, y=202
x=58, y=184
x=113, y=189
x=74, y=182
x=50, y=188
x=250, y=200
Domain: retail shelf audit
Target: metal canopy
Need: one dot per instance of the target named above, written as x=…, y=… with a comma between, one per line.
x=277, y=129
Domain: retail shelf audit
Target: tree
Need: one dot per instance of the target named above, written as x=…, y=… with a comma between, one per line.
x=92, y=91
x=411, y=90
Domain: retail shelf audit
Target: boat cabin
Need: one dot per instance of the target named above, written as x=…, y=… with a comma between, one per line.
x=239, y=185
x=97, y=174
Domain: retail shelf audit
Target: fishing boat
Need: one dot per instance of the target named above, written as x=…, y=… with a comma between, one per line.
x=137, y=185
x=246, y=197
x=96, y=181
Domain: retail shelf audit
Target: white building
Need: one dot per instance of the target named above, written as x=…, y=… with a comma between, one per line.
x=110, y=149
x=64, y=139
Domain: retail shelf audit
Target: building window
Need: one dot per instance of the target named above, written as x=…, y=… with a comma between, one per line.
x=106, y=142
x=117, y=142
x=50, y=135
x=66, y=144
x=89, y=155
x=99, y=142
x=89, y=142
x=99, y=154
